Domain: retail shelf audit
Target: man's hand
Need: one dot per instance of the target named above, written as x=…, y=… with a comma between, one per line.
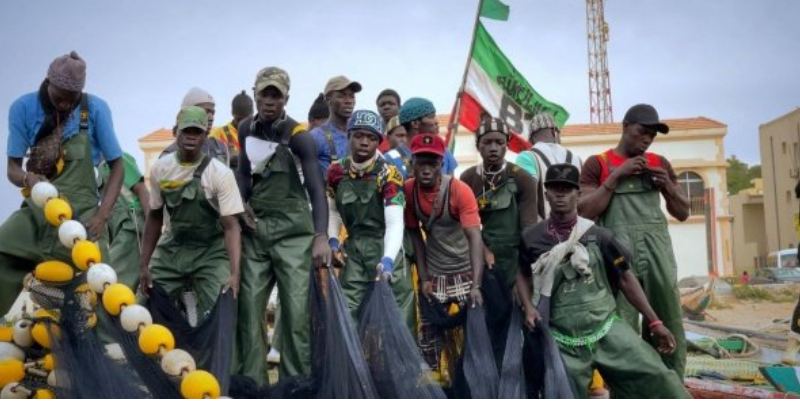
x=145, y=280
x=475, y=296
x=233, y=284
x=427, y=289
x=632, y=166
x=96, y=225
x=249, y=218
x=488, y=258
x=31, y=179
x=660, y=177
x=320, y=251
x=666, y=341
x=531, y=317
x=338, y=256
x=384, y=269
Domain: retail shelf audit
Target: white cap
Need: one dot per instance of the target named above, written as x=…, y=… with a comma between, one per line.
x=196, y=96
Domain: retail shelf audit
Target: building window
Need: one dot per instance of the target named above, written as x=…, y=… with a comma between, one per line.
x=693, y=187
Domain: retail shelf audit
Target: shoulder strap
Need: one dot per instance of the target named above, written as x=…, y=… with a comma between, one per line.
x=544, y=158
x=202, y=167
x=228, y=136
x=331, y=144
x=442, y=197
x=84, y=112
x=569, y=156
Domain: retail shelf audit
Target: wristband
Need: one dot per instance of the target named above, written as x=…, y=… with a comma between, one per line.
x=654, y=324
x=605, y=185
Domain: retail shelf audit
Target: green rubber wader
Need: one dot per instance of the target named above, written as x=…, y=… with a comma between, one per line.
x=635, y=216
x=361, y=206
x=278, y=251
x=581, y=306
x=27, y=239
x=192, y=256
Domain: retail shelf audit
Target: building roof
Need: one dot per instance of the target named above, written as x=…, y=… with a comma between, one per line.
x=160, y=135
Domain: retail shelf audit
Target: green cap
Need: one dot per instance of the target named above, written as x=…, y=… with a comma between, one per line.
x=192, y=117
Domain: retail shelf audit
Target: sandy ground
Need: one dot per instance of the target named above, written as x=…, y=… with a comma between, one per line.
x=762, y=316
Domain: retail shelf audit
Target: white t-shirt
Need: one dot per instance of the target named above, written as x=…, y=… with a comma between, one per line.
x=260, y=150
x=217, y=183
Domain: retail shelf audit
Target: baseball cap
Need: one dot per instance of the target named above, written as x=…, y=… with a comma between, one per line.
x=492, y=125
x=563, y=174
x=427, y=143
x=646, y=115
x=339, y=83
x=192, y=117
x=275, y=77
x=365, y=120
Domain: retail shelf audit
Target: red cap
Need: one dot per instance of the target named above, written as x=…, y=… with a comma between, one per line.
x=427, y=143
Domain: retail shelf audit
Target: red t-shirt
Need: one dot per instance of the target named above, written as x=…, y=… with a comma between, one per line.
x=596, y=169
x=463, y=206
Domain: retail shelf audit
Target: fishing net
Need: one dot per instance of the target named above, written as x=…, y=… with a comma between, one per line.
x=545, y=371
x=395, y=363
x=338, y=362
x=512, y=376
x=481, y=379
x=498, y=305
x=211, y=342
x=83, y=370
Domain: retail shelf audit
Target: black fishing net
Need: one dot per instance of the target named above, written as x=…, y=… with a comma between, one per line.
x=481, y=379
x=338, y=362
x=394, y=360
x=211, y=342
x=83, y=369
x=545, y=371
x=512, y=376
x=498, y=305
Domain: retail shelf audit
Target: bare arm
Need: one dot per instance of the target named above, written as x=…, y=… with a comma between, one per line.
x=233, y=246
x=677, y=204
x=302, y=145
x=476, y=259
x=19, y=177
x=419, y=252
x=152, y=231
x=96, y=225
x=141, y=192
x=632, y=290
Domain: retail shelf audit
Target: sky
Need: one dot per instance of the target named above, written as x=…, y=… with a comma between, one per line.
x=735, y=61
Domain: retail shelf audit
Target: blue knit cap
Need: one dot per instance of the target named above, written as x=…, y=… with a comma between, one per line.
x=365, y=120
x=415, y=108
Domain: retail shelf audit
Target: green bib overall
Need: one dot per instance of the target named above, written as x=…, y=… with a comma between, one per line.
x=278, y=251
x=26, y=238
x=192, y=256
x=590, y=336
x=360, y=203
x=501, y=232
x=635, y=216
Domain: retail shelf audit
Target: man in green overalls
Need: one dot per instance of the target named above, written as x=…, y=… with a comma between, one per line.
x=622, y=188
x=281, y=181
x=506, y=197
x=126, y=225
x=67, y=133
x=202, y=250
x=366, y=195
x=573, y=264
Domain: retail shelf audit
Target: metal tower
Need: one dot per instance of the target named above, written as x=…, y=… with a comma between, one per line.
x=600, y=110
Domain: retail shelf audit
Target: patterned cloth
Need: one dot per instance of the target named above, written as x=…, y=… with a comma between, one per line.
x=389, y=179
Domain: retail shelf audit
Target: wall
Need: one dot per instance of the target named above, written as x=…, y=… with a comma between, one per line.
x=780, y=154
x=749, y=236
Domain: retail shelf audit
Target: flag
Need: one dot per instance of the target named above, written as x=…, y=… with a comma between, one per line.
x=494, y=87
x=494, y=9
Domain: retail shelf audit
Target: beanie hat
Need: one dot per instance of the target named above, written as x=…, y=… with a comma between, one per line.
x=366, y=120
x=68, y=72
x=415, y=108
x=319, y=109
x=242, y=105
x=196, y=96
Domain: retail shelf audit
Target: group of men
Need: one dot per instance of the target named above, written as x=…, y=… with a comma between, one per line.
x=266, y=200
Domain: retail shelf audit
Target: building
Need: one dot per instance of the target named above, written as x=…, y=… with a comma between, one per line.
x=695, y=148
x=749, y=234
x=779, y=141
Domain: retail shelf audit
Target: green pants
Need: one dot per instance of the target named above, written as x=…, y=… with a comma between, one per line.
x=266, y=260
x=363, y=255
x=26, y=240
x=124, y=250
x=630, y=367
x=177, y=266
x=506, y=261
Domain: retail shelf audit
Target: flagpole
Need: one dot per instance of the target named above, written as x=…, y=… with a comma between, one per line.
x=456, y=119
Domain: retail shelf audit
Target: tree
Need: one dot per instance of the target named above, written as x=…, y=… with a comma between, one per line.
x=740, y=175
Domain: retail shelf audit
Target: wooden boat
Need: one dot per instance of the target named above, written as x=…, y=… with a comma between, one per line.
x=696, y=300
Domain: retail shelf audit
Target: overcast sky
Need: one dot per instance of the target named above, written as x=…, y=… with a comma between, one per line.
x=736, y=61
